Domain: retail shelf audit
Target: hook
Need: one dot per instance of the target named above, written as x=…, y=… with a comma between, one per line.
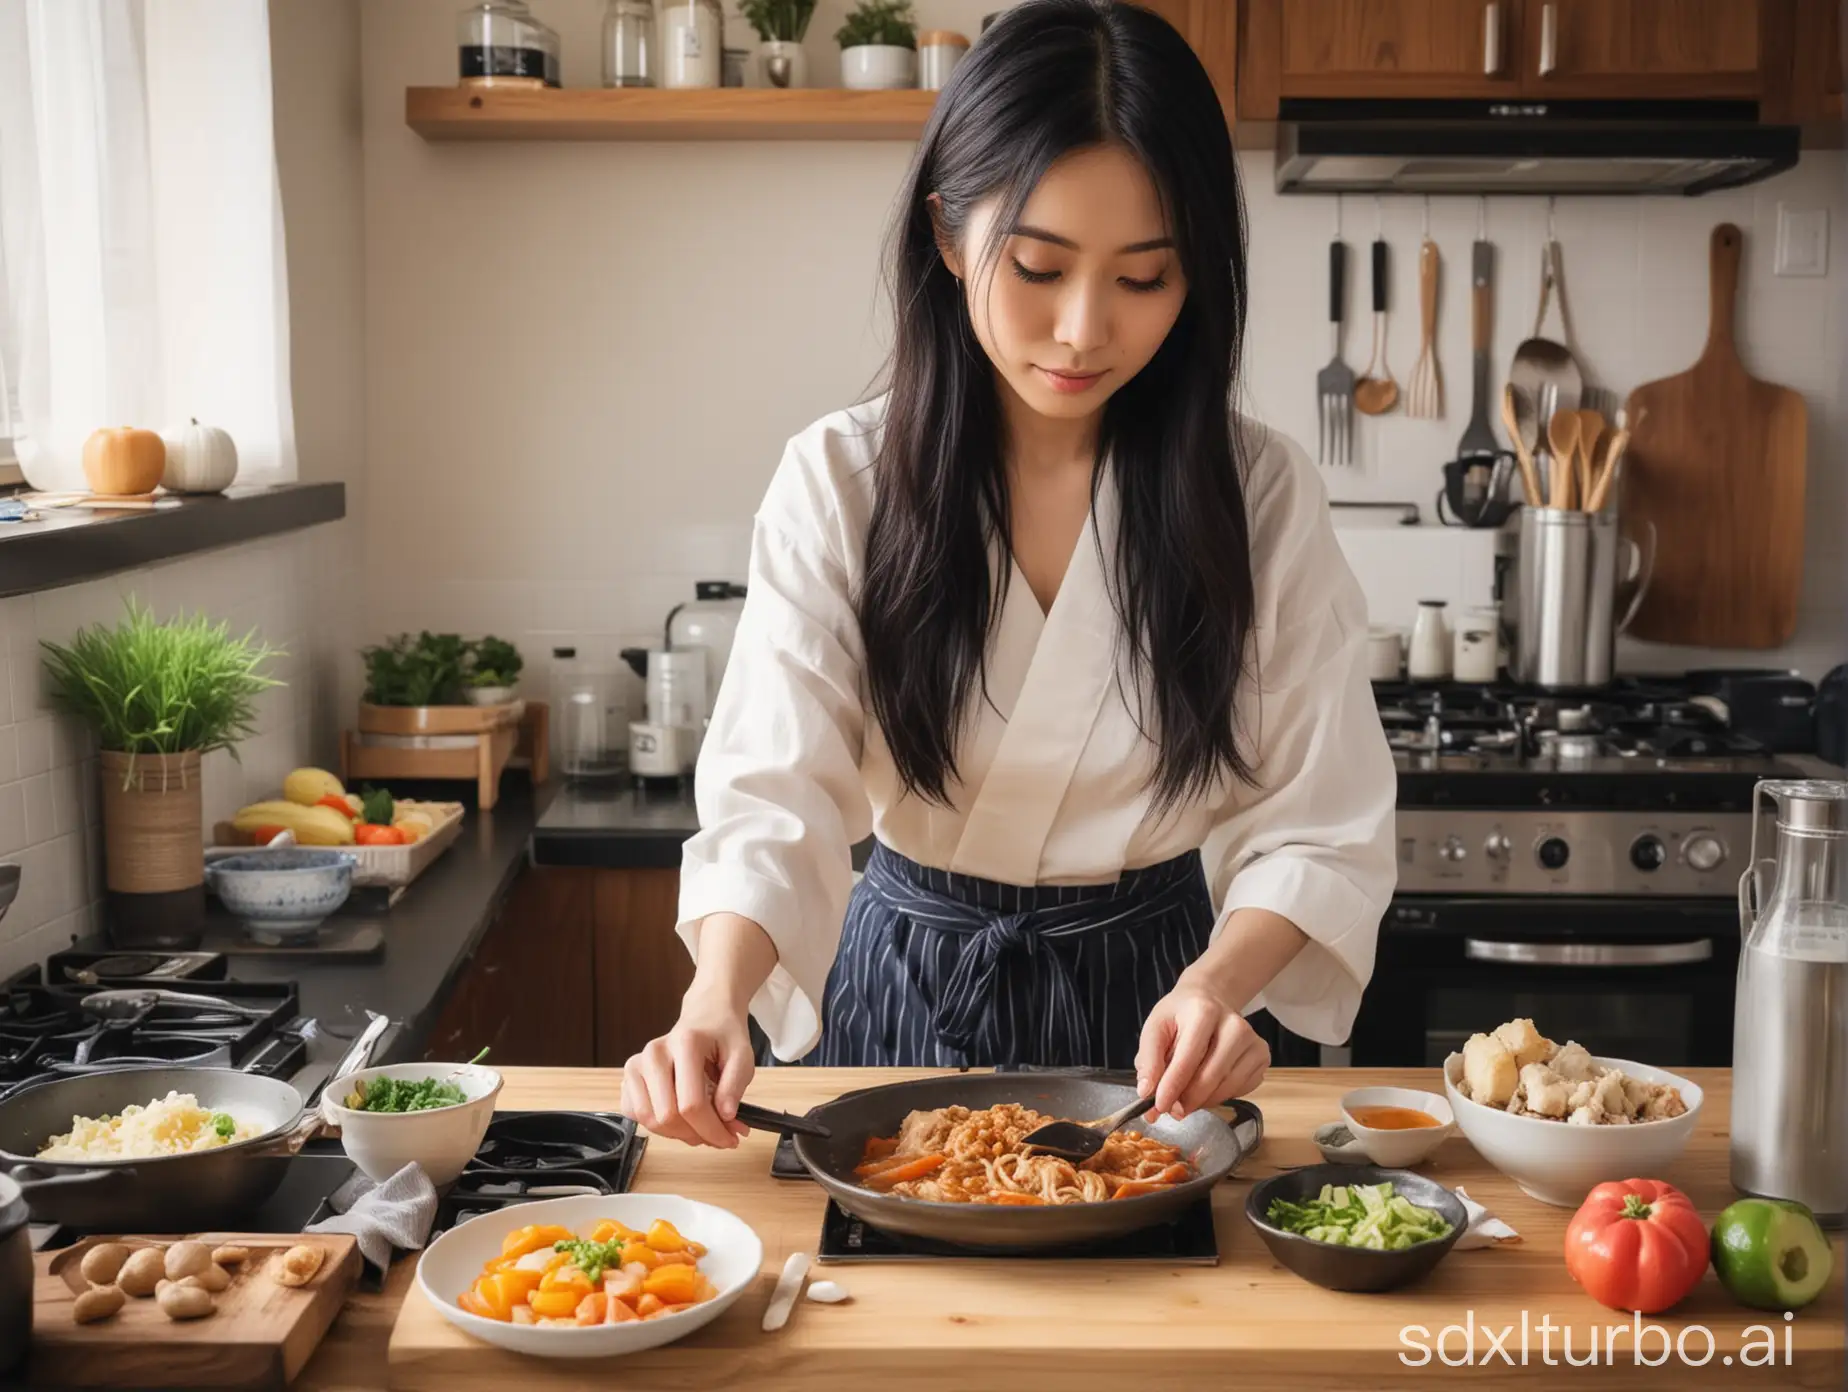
x=1549, y=219
x=1427, y=217
x=1337, y=217
x=1379, y=222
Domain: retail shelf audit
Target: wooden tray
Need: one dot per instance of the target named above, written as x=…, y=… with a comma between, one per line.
x=481, y=756
x=391, y=866
x=261, y=1335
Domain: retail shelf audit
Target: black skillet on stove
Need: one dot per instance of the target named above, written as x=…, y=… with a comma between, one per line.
x=1213, y=1147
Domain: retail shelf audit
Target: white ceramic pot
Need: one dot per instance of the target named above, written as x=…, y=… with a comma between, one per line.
x=782, y=59
x=489, y=695
x=878, y=67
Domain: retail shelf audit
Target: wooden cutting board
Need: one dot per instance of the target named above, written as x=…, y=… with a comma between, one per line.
x=1716, y=464
x=259, y=1337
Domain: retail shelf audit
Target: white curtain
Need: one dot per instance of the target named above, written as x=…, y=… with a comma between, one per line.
x=142, y=267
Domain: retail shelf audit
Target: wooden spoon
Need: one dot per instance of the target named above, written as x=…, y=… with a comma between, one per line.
x=1530, y=472
x=1591, y=433
x=1607, y=475
x=1562, y=433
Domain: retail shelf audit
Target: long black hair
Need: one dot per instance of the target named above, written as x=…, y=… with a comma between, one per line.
x=1049, y=78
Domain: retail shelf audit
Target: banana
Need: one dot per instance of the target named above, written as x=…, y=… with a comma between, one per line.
x=308, y=786
x=313, y=826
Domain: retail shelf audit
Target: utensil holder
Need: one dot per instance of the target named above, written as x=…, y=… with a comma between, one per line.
x=1571, y=563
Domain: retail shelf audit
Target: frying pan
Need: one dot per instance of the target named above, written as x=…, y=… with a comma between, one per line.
x=1212, y=1146
x=198, y=1191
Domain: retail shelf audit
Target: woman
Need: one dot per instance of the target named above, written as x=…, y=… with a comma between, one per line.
x=1060, y=630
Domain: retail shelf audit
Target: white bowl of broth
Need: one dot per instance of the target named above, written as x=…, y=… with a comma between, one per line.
x=1397, y=1127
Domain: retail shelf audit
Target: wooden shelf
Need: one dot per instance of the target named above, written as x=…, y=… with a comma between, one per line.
x=726, y=113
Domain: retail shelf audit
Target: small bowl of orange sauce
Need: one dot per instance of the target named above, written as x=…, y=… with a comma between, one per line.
x=1397, y=1127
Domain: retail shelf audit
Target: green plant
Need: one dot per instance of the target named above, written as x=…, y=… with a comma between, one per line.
x=422, y=671
x=879, y=22
x=161, y=688
x=496, y=662
x=784, y=20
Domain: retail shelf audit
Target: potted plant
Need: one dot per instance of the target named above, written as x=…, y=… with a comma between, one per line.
x=159, y=697
x=423, y=671
x=781, y=26
x=494, y=668
x=879, y=46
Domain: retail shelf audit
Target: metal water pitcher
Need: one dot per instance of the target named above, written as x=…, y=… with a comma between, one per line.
x=1790, y=1018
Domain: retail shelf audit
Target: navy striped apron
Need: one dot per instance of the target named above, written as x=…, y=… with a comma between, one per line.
x=943, y=970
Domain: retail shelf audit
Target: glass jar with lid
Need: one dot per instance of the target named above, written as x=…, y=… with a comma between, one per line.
x=502, y=44
x=692, y=43
x=628, y=43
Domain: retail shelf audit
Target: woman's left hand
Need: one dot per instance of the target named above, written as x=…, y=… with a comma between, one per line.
x=1197, y=1050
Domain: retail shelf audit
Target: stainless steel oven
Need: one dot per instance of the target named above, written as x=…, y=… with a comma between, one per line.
x=1650, y=980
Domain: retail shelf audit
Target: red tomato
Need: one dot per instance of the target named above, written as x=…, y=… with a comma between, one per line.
x=1636, y=1244
x=263, y=835
x=371, y=834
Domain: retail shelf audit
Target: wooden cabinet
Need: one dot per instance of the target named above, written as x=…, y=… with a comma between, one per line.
x=1621, y=49
x=1363, y=48
x=529, y=992
x=579, y=969
x=642, y=966
x=1211, y=28
x=1650, y=48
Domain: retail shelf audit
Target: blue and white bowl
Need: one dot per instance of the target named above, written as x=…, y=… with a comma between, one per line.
x=283, y=895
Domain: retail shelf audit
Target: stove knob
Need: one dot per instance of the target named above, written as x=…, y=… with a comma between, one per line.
x=1553, y=853
x=1703, y=851
x=1648, y=853
x=1498, y=848
x=1453, y=849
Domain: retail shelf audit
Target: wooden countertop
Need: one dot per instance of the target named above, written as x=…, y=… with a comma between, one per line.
x=1041, y=1324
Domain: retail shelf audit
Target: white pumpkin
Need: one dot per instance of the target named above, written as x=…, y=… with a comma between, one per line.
x=200, y=459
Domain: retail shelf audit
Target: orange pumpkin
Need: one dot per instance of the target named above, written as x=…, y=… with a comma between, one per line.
x=122, y=460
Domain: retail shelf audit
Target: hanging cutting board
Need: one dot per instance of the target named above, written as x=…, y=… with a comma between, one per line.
x=259, y=1337
x=1716, y=464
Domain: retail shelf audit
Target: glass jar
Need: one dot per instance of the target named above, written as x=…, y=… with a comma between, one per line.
x=628, y=43
x=692, y=40
x=592, y=717
x=501, y=44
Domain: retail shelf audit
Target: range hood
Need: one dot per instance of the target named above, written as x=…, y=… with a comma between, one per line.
x=1511, y=147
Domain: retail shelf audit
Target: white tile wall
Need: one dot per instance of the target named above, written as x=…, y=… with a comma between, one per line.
x=49, y=812
x=583, y=360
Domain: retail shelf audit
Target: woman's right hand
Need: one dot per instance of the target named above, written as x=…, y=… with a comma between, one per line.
x=687, y=1084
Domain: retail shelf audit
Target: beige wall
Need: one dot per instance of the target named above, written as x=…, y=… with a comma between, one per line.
x=583, y=360
x=298, y=591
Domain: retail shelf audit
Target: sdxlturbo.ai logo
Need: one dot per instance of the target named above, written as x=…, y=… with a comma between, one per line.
x=1584, y=1346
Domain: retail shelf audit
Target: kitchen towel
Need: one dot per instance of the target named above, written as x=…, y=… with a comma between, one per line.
x=1485, y=1229
x=393, y=1216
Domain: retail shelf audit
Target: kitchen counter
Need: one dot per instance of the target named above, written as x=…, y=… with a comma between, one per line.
x=616, y=826
x=1043, y=1324
x=429, y=933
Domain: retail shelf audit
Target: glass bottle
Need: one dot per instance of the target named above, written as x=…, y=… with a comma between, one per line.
x=692, y=40
x=628, y=43
x=502, y=44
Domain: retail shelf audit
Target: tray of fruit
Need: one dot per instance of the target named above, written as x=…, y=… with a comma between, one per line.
x=395, y=839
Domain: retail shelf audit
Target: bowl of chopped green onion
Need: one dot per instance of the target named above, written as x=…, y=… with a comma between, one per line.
x=432, y=1113
x=1356, y=1227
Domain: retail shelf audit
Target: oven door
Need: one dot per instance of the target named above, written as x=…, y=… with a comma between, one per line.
x=1650, y=981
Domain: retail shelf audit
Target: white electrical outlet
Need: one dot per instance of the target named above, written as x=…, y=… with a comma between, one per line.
x=1802, y=241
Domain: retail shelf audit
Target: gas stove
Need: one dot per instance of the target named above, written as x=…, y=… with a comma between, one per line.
x=1640, y=789
x=48, y=1029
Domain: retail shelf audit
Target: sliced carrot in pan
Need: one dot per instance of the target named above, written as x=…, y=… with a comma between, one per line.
x=900, y=1174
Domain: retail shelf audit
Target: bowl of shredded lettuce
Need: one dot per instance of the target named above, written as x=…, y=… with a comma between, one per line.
x=433, y=1114
x=1356, y=1227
